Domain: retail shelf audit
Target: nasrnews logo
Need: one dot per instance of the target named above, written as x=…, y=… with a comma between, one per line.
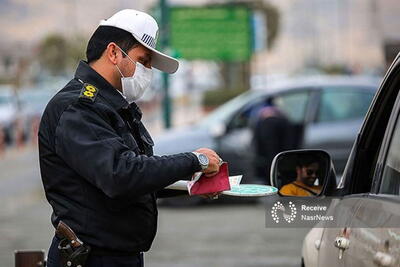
x=278, y=206
x=315, y=217
x=289, y=212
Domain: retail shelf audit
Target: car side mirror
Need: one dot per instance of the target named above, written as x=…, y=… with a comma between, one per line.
x=218, y=130
x=303, y=173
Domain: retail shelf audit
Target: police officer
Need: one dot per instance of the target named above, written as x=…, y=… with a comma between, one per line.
x=96, y=157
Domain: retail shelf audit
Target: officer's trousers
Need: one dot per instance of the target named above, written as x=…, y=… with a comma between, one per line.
x=53, y=259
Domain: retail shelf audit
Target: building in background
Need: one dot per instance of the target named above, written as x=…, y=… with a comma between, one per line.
x=313, y=33
x=349, y=33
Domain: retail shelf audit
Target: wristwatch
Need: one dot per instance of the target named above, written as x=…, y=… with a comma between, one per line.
x=203, y=160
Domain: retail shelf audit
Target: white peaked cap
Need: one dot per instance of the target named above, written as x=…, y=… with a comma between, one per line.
x=145, y=30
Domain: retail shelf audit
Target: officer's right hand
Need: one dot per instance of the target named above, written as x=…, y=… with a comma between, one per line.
x=214, y=161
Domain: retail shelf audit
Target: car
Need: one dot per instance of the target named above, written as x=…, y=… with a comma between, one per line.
x=327, y=112
x=366, y=200
x=8, y=111
x=311, y=245
x=33, y=102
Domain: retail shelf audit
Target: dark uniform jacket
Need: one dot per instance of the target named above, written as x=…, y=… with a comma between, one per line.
x=98, y=168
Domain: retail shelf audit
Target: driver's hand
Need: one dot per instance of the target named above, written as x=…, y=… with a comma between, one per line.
x=214, y=161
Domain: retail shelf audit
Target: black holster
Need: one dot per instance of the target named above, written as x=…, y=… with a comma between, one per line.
x=72, y=257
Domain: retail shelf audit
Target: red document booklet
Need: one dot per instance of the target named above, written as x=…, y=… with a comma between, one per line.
x=211, y=184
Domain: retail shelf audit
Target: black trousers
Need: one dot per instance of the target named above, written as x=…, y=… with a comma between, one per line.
x=53, y=259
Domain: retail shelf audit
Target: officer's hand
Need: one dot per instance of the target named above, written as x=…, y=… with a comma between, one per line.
x=214, y=161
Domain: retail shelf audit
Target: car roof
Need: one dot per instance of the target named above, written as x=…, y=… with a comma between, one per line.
x=316, y=82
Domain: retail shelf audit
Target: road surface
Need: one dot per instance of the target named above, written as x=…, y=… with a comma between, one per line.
x=208, y=235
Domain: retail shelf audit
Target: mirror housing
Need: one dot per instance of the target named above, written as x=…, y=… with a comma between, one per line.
x=218, y=130
x=303, y=173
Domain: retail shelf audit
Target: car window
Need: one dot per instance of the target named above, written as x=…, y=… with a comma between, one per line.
x=391, y=173
x=247, y=115
x=339, y=104
x=224, y=112
x=294, y=105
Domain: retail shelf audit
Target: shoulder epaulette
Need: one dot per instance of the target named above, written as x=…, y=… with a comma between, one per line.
x=89, y=92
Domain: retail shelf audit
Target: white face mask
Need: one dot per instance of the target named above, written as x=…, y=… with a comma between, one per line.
x=134, y=87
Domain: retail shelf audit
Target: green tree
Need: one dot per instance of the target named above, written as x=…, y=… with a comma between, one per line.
x=76, y=51
x=272, y=16
x=53, y=53
x=58, y=55
x=273, y=23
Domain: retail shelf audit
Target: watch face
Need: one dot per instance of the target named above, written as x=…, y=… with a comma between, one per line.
x=203, y=159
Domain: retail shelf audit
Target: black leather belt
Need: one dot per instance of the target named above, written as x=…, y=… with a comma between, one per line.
x=97, y=251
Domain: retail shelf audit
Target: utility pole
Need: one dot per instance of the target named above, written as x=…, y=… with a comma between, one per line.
x=164, y=37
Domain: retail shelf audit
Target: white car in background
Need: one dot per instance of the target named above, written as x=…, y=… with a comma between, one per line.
x=8, y=111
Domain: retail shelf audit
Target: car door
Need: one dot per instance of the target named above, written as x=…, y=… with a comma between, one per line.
x=337, y=120
x=375, y=226
x=368, y=189
x=235, y=145
x=298, y=106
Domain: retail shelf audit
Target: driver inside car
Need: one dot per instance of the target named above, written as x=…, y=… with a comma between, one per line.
x=307, y=168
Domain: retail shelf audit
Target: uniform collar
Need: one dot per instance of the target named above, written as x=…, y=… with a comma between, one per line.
x=86, y=74
x=136, y=112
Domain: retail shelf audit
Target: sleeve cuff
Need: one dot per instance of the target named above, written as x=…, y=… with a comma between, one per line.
x=195, y=162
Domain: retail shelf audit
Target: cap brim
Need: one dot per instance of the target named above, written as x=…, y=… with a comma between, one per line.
x=161, y=61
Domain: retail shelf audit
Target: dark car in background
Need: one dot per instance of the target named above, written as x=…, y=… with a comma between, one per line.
x=327, y=112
